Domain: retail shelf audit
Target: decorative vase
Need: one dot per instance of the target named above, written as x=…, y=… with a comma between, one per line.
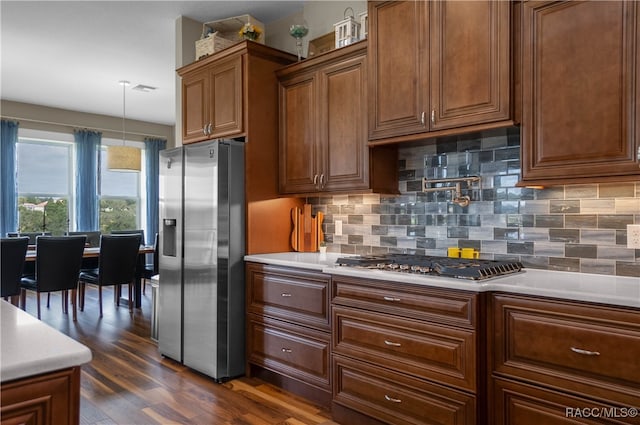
x=297, y=32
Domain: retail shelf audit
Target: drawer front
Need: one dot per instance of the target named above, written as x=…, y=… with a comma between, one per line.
x=516, y=404
x=294, y=351
x=397, y=399
x=434, y=352
x=443, y=306
x=296, y=295
x=589, y=348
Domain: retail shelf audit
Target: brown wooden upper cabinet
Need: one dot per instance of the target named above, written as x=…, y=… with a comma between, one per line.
x=580, y=119
x=323, y=127
x=438, y=68
x=212, y=101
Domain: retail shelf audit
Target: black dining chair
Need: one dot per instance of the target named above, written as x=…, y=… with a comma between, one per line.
x=131, y=232
x=142, y=266
x=32, y=235
x=12, y=252
x=116, y=266
x=58, y=262
x=150, y=269
x=93, y=237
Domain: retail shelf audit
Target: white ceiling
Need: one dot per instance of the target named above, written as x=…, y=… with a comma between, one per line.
x=71, y=54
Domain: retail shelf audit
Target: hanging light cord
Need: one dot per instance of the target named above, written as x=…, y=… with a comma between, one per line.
x=124, y=94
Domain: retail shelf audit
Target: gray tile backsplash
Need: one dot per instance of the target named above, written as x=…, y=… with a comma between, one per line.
x=579, y=228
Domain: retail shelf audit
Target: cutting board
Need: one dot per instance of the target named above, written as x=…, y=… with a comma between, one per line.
x=307, y=229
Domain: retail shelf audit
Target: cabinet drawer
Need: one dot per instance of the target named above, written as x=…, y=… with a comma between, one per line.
x=397, y=399
x=295, y=295
x=291, y=350
x=516, y=404
x=419, y=302
x=434, y=352
x=587, y=348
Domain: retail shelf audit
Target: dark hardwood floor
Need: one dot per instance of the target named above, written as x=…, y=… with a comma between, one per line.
x=129, y=382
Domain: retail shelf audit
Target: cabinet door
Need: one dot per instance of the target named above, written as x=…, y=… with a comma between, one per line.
x=580, y=87
x=195, y=107
x=226, y=98
x=343, y=126
x=298, y=149
x=470, y=72
x=399, y=68
x=51, y=398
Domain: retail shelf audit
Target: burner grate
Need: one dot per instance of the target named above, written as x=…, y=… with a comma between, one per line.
x=475, y=269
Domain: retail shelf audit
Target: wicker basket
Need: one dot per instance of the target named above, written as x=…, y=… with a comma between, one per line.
x=225, y=33
x=211, y=44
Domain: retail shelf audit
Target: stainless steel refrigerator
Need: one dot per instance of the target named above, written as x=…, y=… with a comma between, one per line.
x=201, y=313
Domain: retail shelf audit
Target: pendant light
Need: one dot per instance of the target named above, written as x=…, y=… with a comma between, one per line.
x=123, y=158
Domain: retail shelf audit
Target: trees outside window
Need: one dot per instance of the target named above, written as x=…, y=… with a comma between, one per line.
x=45, y=180
x=121, y=206
x=45, y=184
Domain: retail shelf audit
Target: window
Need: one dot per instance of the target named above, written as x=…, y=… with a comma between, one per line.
x=122, y=206
x=45, y=181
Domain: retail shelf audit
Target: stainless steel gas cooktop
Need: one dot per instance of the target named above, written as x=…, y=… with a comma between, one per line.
x=474, y=269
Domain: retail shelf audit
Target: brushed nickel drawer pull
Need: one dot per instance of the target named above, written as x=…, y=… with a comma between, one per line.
x=393, y=299
x=395, y=400
x=433, y=116
x=422, y=122
x=285, y=295
x=391, y=343
x=286, y=350
x=585, y=352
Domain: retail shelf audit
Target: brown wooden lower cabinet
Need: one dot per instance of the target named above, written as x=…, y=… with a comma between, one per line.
x=295, y=351
x=402, y=354
x=405, y=354
x=516, y=403
x=434, y=352
x=51, y=398
x=560, y=362
x=395, y=398
x=288, y=329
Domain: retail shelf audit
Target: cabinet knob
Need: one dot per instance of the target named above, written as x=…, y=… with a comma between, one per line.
x=585, y=352
x=391, y=399
x=286, y=350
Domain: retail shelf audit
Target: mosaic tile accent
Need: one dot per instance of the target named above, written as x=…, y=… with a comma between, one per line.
x=578, y=228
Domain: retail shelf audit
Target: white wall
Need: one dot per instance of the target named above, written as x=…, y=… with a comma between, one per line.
x=44, y=118
x=319, y=16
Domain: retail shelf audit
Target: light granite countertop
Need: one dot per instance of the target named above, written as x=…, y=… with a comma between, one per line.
x=30, y=347
x=613, y=290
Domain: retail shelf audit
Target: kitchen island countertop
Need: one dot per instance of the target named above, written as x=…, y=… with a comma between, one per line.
x=30, y=347
x=605, y=289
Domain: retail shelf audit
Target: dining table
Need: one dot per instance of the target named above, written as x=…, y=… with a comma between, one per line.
x=94, y=252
